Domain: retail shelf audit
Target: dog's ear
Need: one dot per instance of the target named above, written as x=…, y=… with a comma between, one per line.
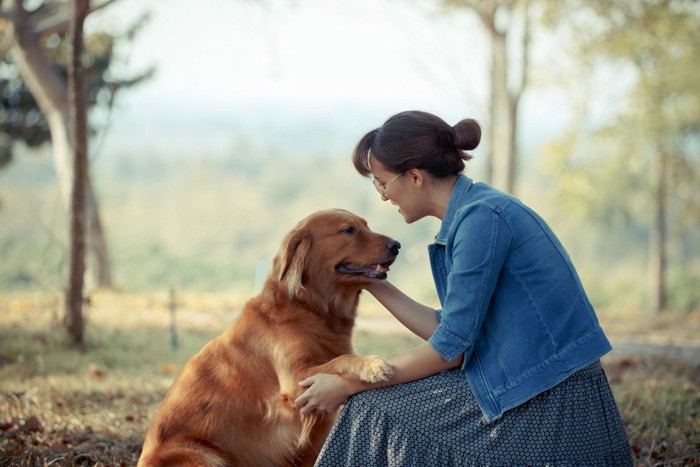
x=291, y=259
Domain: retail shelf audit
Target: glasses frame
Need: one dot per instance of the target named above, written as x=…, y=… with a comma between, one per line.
x=381, y=187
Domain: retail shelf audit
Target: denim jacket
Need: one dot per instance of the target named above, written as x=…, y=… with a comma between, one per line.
x=511, y=300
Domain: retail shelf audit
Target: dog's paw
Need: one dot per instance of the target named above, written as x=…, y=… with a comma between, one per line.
x=375, y=369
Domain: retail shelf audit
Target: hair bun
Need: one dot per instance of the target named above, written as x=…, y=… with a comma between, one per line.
x=467, y=134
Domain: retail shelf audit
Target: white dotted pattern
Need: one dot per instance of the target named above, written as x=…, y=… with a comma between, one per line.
x=437, y=422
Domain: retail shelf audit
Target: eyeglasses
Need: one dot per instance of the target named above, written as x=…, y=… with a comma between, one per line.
x=381, y=186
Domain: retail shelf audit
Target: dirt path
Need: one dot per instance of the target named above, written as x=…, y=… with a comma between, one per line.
x=644, y=342
x=628, y=346
x=623, y=345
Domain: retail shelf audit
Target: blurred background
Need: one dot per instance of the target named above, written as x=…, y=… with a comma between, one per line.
x=216, y=126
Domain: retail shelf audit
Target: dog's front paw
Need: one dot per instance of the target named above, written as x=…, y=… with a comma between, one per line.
x=375, y=369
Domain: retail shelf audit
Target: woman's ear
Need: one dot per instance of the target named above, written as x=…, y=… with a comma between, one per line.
x=416, y=176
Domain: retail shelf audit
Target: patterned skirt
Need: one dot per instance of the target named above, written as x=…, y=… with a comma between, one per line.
x=437, y=422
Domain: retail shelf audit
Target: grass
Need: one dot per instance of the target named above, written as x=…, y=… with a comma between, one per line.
x=63, y=407
x=660, y=404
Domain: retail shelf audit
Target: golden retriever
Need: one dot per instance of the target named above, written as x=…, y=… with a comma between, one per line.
x=233, y=402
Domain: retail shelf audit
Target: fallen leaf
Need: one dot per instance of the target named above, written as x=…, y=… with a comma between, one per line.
x=96, y=371
x=33, y=425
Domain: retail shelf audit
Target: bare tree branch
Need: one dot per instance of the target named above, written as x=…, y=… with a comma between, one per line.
x=48, y=15
x=15, y=12
x=125, y=83
x=60, y=20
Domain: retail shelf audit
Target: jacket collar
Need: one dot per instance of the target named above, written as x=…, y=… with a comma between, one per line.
x=457, y=199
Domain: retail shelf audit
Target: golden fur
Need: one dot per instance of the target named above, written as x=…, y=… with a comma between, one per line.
x=233, y=402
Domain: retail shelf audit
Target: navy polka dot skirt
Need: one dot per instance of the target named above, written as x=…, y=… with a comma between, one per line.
x=436, y=422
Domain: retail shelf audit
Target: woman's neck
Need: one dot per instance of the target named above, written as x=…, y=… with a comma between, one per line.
x=441, y=195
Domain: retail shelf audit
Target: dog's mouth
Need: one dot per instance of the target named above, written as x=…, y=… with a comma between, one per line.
x=376, y=271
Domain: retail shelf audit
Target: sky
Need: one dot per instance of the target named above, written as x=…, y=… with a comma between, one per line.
x=269, y=67
x=225, y=51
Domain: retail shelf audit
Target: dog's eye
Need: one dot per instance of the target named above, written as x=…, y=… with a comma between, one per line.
x=348, y=230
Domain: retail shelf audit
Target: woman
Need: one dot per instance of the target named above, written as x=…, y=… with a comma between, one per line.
x=510, y=372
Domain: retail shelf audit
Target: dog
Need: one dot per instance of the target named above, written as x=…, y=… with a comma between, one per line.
x=233, y=402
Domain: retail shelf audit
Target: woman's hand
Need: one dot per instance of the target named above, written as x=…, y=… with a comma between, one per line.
x=324, y=393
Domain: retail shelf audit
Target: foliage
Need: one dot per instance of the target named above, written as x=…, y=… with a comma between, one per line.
x=686, y=294
x=20, y=117
x=598, y=177
x=638, y=161
x=201, y=224
x=610, y=168
x=208, y=224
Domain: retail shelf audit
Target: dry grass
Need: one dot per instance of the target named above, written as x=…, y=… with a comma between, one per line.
x=659, y=401
x=66, y=407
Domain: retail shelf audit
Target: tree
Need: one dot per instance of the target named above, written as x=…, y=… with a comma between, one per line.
x=20, y=119
x=508, y=25
x=43, y=73
x=646, y=154
x=78, y=111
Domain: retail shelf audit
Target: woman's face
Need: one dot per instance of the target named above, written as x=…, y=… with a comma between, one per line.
x=399, y=188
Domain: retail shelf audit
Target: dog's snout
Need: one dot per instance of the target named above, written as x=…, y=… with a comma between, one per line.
x=393, y=246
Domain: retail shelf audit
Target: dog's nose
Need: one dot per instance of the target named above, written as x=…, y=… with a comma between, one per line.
x=393, y=246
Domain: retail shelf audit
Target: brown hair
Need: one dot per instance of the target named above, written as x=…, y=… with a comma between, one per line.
x=418, y=140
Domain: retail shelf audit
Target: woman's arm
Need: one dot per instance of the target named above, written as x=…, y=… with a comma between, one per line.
x=325, y=393
x=418, y=318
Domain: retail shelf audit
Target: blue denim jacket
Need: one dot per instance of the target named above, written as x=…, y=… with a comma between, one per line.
x=511, y=300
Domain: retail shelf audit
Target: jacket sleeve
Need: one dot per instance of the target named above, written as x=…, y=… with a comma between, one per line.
x=480, y=243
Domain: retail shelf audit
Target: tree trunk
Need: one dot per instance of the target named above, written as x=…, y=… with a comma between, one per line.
x=501, y=168
x=515, y=95
x=500, y=111
x=98, y=265
x=491, y=130
x=51, y=94
x=512, y=154
x=74, y=295
x=657, y=238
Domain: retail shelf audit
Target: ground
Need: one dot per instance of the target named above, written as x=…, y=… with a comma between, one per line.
x=61, y=406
